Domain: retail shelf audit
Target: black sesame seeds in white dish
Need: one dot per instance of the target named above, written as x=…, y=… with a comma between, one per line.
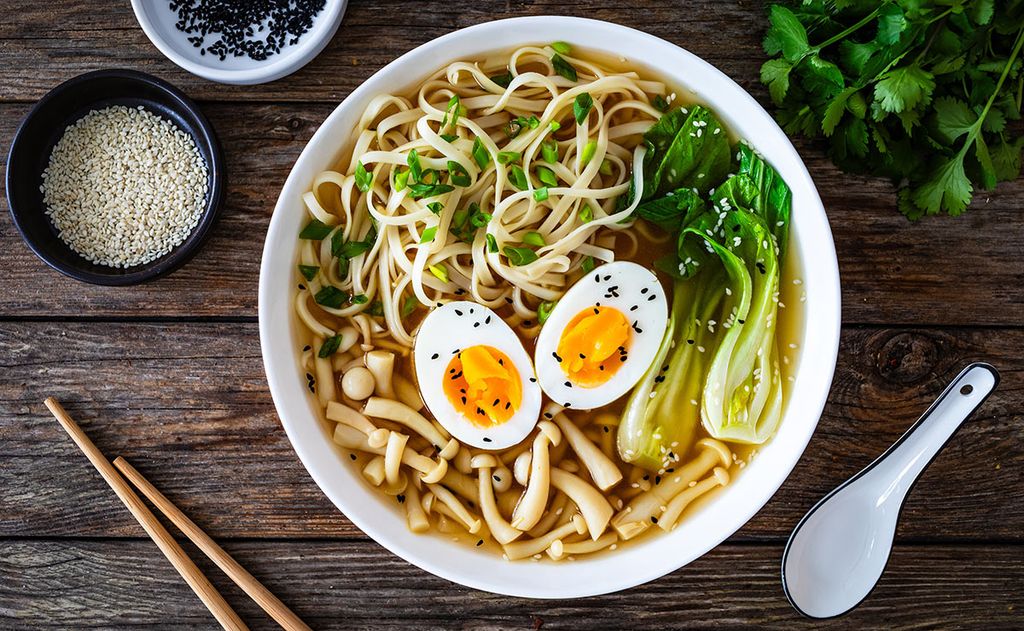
x=114, y=178
x=240, y=42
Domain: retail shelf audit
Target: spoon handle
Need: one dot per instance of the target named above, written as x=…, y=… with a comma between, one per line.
x=910, y=455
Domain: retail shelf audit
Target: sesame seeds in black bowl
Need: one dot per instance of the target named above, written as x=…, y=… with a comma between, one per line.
x=114, y=178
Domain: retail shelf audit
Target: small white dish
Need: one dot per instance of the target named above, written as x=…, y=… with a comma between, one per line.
x=157, y=20
x=637, y=562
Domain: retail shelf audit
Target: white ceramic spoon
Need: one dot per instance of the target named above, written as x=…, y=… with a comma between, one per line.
x=840, y=548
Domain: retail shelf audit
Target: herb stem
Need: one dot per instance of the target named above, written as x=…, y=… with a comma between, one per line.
x=976, y=127
x=864, y=21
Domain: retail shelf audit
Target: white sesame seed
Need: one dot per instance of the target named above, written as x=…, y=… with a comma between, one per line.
x=124, y=186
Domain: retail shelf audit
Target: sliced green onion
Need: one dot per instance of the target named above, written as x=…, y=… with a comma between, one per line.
x=419, y=191
x=581, y=107
x=430, y=176
x=309, y=272
x=492, y=243
x=659, y=103
x=376, y=308
x=561, y=47
x=480, y=219
x=458, y=174
x=331, y=296
x=414, y=166
x=401, y=179
x=315, y=230
x=533, y=122
x=549, y=151
x=502, y=79
x=329, y=347
x=435, y=207
x=480, y=153
x=586, y=213
x=544, y=311
x=606, y=167
x=364, y=178
x=508, y=157
x=534, y=238
x=440, y=271
x=555, y=126
x=409, y=305
x=520, y=256
x=540, y=194
x=343, y=265
x=587, y=264
x=428, y=234
x=449, y=137
x=563, y=67
x=547, y=176
x=360, y=299
x=352, y=249
x=589, y=150
x=518, y=178
x=454, y=108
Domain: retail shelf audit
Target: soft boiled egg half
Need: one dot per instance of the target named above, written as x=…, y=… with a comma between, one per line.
x=601, y=336
x=475, y=376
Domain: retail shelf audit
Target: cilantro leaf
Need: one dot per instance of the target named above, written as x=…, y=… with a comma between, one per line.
x=947, y=187
x=904, y=88
x=953, y=118
x=775, y=74
x=786, y=35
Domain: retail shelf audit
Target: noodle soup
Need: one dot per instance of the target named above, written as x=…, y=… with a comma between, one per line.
x=542, y=302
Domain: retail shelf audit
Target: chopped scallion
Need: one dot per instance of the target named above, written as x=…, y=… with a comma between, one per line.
x=555, y=126
x=534, y=238
x=414, y=166
x=315, y=230
x=435, y=207
x=587, y=264
x=589, y=150
x=547, y=176
x=439, y=271
x=330, y=346
x=561, y=47
x=454, y=109
x=364, y=178
x=376, y=308
x=360, y=299
x=401, y=179
x=660, y=103
x=586, y=213
x=449, y=137
x=409, y=305
x=479, y=219
x=492, y=243
x=544, y=311
x=606, y=167
x=549, y=151
x=563, y=67
x=480, y=153
x=458, y=174
x=508, y=157
x=581, y=107
x=309, y=272
x=518, y=178
x=419, y=191
x=428, y=234
x=520, y=256
x=540, y=194
x=331, y=297
x=503, y=79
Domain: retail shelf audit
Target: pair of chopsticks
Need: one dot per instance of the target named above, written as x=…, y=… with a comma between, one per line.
x=206, y=592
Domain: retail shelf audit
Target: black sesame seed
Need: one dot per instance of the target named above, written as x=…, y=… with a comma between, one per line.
x=742, y=321
x=508, y=404
x=607, y=277
x=657, y=480
x=301, y=287
x=488, y=320
x=690, y=342
x=497, y=478
x=458, y=313
x=670, y=470
x=400, y=498
x=352, y=456
x=634, y=307
x=496, y=402
x=567, y=405
x=651, y=297
x=463, y=400
x=486, y=439
x=654, y=519
x=568, y=384
x=307, y=347
x=508, y=300
x=606, y=430
x=479, y=543
x=582, y=356
x=533, y=380
x=647, y=476
x=434, y=356
x=548, y=415
x=476, y=324
x=643, y=291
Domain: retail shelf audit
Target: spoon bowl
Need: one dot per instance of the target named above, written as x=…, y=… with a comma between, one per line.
x=840, y=548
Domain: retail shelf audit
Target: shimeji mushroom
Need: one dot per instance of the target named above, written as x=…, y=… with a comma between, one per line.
x=602, y=470
x=556, y=508
x=523, y=549
x=432, y=471
x=644, y=509
x=358, y=383
x=592, y=504
x=393, y=452
x=408, y=393
x=376, y=472
x=344, y=414
x=531, y=506
x=521, y=468
x=502, y=478
x=459, y=511
x=325, y=390
x=414, y=515
x=590, y=545
x=669, y=518
x=461, y=484
x=382, y=365
x=500, y=529
x=392, y=410
x=461, y=460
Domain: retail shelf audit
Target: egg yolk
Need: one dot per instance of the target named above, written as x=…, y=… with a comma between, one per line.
x=483, y=385
x=593, y=346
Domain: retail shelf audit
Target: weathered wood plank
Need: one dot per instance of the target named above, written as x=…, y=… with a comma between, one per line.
x=938, y=271
x=187, y=403
x=45, y=44
x=358, y=585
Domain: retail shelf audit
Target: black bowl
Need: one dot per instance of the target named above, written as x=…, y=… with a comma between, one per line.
x=44, y=126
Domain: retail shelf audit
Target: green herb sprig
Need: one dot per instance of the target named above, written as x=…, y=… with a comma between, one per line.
x=920, y=91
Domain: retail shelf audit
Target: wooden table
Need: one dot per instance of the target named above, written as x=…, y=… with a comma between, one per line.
x=169, y=375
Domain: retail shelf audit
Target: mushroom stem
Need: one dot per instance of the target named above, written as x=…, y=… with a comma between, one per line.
x=531, y=506
x=501, y=530
x=382, y=365
x=602, y=470
x=460, y=512
x=668, y=519
x=592, y=504
x=522, y=549
x=391, y=410
x=414, y=514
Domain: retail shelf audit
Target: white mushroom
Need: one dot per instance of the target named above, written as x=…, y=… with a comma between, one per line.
x=414, y=515
x=553, y=515
x=391, y=410
x=459, y=511
x=523, y=549
x=644, y=509
x=521, y=468
x=325, y=390
x=407, y=392
x=393, y=452
x=531, y=506
x=590, y=545
x=500, y=529
x=382, y=365
x=351, y=438
x=668, y=519
x=344, y=414
x=592, y=504
x=358, y=383
x=602, y=470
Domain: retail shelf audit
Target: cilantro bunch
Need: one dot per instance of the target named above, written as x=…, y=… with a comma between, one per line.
x=926, y=92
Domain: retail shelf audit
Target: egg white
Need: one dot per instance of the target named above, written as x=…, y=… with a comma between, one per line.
x=623, y=285
x=443, y=334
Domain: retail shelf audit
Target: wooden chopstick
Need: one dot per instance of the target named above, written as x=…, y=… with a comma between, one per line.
x=263, y=597
x=206, y=592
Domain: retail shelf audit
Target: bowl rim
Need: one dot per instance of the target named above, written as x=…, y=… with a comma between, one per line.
x=303, y=53
x=606, y=573
x=184, y=251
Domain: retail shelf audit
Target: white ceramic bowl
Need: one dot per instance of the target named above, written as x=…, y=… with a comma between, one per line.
x=643, y=560
x=157, y=20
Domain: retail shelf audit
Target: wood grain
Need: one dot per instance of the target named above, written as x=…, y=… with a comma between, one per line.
x=357, y=585
x=189, y=402
x=941, y=271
